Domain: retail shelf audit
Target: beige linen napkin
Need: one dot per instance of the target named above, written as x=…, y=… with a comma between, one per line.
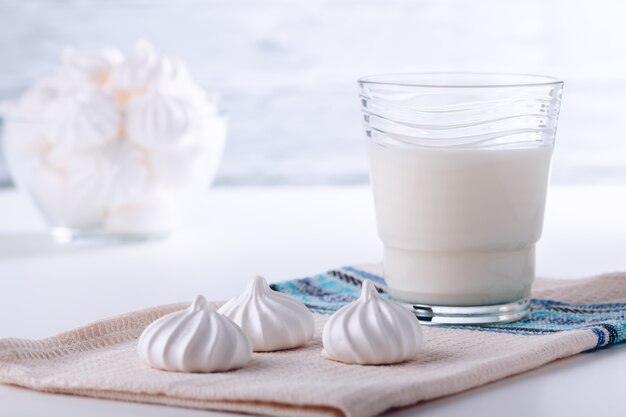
x=100, y=360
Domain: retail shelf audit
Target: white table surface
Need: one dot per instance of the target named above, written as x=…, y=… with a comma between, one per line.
x=286, y=233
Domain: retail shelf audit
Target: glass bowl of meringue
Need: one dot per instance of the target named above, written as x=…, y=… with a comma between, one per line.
x=114, y=148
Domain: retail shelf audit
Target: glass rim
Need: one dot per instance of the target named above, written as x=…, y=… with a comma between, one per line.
x=421, y=80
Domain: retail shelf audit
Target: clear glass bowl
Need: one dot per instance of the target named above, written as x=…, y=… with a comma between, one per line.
x=118, y=192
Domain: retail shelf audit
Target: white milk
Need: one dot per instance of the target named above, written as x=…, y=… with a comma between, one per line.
x=459, y=226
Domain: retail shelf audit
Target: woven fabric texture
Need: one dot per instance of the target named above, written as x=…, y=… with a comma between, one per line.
x=100, y=359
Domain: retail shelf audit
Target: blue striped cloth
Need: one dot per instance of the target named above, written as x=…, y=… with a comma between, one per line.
x=325, y=293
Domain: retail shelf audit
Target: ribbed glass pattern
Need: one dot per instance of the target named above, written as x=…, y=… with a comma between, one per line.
x=471, y=110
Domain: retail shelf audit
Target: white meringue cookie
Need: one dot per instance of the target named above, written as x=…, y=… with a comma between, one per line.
x=83, y=119
x=172, y=72
x=50, y=191
x=90, y=65
x=172, y=77
x=25, y=139
x=137, y=71
x=192, y=165
x=25, y=131
x=110, y=176
x=271, y=320
x=194, y=340
x=156, y=119
x=372, y=331
x=31, y=106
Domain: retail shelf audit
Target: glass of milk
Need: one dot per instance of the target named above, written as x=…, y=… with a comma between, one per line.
x=459, y=167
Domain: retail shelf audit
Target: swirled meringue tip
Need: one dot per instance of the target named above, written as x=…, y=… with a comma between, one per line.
x=372, y=331
x=198, y=303
x=158, y=119
x=90, y=64
x=196, y=339
x=271, y=320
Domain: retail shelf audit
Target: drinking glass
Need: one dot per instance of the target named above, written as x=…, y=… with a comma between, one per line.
x=459, y=167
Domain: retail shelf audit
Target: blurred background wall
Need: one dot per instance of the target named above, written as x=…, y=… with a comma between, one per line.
x=286, y=70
